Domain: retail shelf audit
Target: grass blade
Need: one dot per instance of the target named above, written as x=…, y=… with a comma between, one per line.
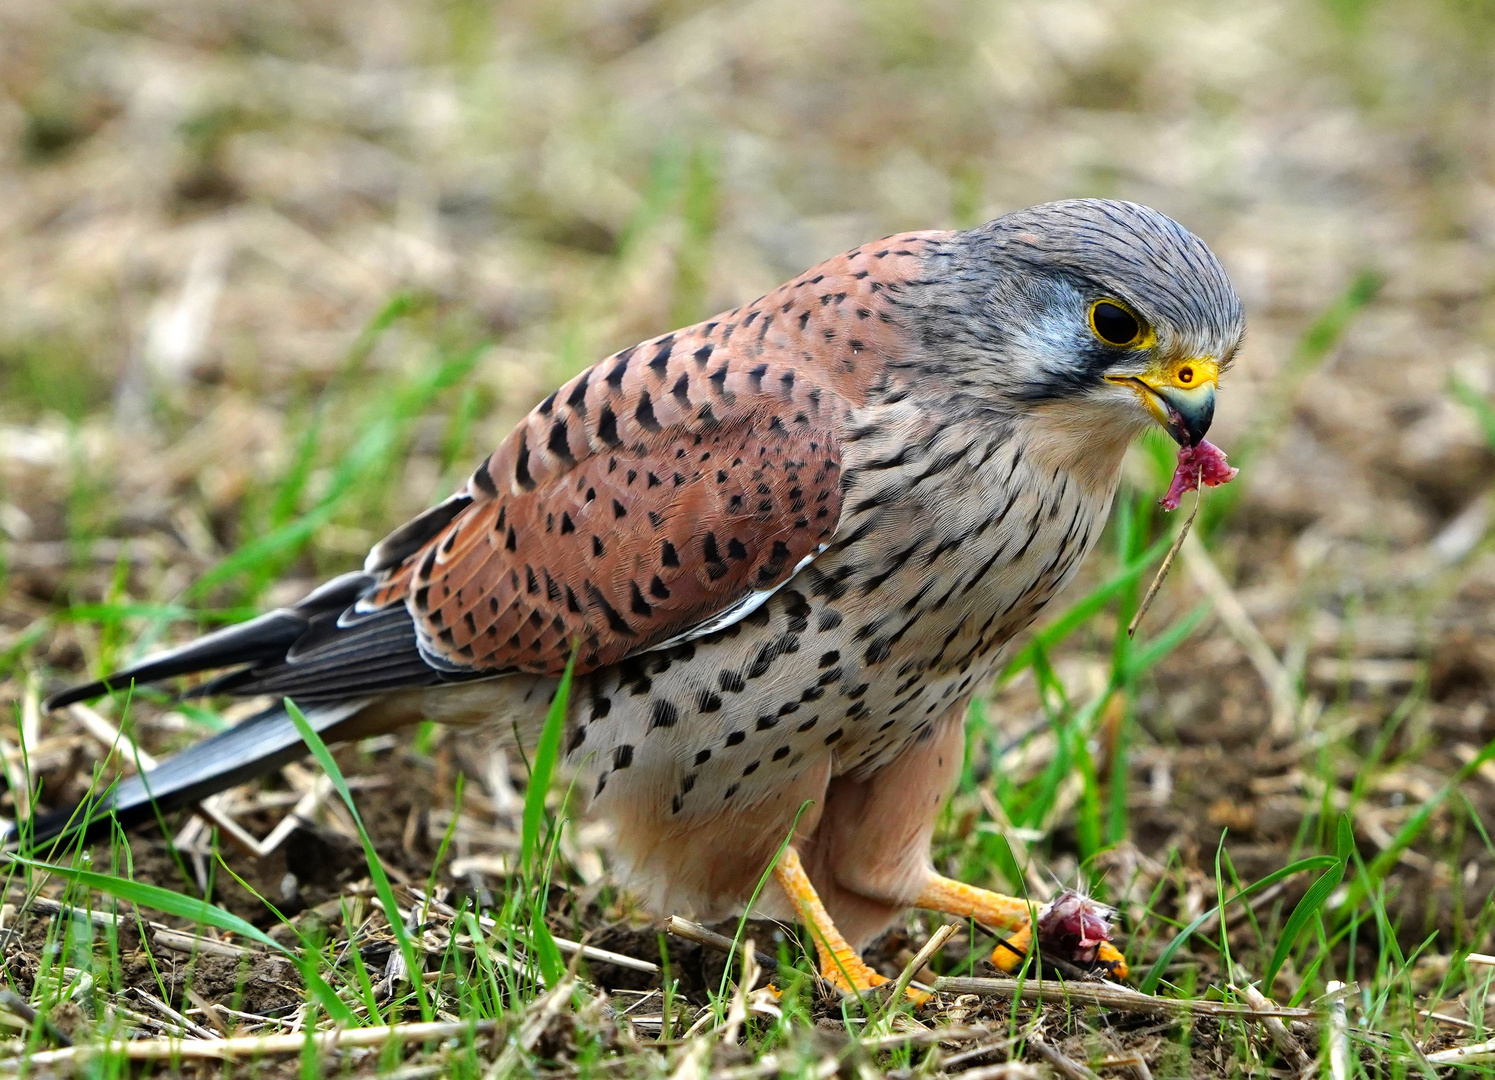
x=158, y=899
x=542, y=771
x=547, y=752
x=200, y=912
x=1411, y=830
x=413, y=961
x=1155, y=972
x=1313, y=901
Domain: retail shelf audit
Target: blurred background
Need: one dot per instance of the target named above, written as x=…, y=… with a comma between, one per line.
x=274, y=276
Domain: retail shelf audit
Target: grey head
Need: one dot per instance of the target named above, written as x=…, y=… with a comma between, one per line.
x=1109, y=306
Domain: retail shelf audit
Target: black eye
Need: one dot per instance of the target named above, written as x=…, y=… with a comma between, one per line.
x=1114, y=324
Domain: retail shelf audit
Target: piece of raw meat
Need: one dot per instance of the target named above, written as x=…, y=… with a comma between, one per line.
x=1201, y=464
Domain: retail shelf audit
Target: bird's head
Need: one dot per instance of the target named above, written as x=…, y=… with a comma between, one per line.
x=1108, y=313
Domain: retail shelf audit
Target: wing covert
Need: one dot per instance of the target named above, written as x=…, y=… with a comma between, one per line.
x=653, y=492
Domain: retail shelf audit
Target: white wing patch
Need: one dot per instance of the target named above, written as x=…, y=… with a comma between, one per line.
x=737, y=612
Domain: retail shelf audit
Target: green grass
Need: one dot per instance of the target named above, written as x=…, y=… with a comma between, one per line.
x=1052, y=780
x=510, y=960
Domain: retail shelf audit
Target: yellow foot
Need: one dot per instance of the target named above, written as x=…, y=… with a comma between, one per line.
x=1013, y=950
x=1108, y=956
x=1076, y=920
x=863, y=979
x=851, y=975
x=840, y=964
x=917, y=997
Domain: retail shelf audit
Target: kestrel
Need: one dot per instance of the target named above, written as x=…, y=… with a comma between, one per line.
x=786, y=545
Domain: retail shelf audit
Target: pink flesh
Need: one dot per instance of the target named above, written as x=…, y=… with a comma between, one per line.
x=1073, y=926
x=1205, y=464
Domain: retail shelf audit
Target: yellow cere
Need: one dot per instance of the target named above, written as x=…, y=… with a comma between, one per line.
x=1186, y=373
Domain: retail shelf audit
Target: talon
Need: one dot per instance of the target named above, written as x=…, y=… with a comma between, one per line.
x=863, y=978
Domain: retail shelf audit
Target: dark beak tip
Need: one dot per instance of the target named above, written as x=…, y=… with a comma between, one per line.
x=1189, y=428
x=1184, y=430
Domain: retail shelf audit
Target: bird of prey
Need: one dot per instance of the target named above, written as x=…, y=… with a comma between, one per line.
x=785, y=547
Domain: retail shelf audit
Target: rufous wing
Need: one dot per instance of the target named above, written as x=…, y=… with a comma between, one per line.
x=672, y=483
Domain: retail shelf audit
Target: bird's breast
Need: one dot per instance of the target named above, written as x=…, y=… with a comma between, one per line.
x=945, y=555
x=951, y=540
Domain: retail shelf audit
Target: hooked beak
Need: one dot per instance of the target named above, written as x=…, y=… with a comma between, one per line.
x=1180, y=397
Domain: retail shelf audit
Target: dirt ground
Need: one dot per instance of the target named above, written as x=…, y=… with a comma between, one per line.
x=237, y=240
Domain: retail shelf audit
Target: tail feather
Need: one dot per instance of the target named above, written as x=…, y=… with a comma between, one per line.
x=270, y=635
x=250, y=748
x=319, y=649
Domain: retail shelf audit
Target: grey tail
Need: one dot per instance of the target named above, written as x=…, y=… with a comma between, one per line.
x=250, y=748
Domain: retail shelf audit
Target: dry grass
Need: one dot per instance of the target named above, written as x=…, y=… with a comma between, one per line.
x=272, y=276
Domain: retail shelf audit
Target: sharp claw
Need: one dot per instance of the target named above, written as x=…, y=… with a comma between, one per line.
x=862, y=979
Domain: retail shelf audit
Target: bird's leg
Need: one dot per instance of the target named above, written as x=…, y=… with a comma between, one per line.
x=1004, y=913
x=988, y=908
x=840, y=964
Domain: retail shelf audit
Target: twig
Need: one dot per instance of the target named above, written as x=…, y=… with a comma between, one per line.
x=1063, y=1065
x=209, y=1010
x=48, y=906
x=940, y=1035
x=932, y=946
x=1107, y=995
x=603, y=956
x=1339, y=1033
x=975, y=1052
x=1283, y=1039
x=212, y=809
x=1167, y=565
x=302, y=812
x=153, y=1024
x=588, y=952
x=684, y=928
x=738, y=1010
x=1006, y=1070
x=1444, y=1018
x=110, y=735
x=223, y=1049
x=524, y=1040
x=1133, y=1063
x=1473, y=1054
x=178, y=941
x=190, y=1026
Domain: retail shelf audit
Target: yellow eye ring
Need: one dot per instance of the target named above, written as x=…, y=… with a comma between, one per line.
x=1117, y=325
